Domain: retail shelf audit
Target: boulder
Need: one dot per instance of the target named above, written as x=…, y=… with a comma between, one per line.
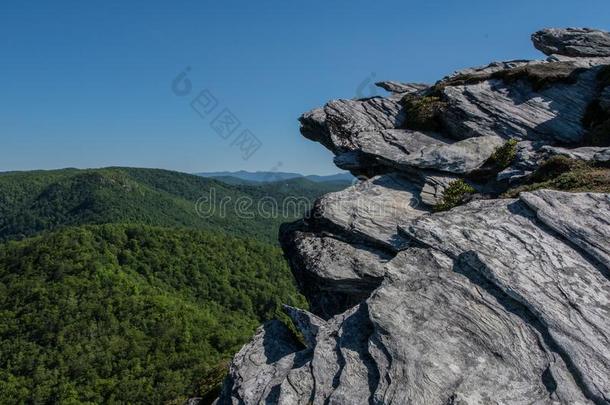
x=334, y=274
x=576, y=42
x=370, y=211
x=407, y=149
x=340, y=121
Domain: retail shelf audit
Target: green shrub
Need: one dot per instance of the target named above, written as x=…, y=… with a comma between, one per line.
x=541, y=75
x=565, y=174
x=504, y=155
x=423, y=112
x=454, y=195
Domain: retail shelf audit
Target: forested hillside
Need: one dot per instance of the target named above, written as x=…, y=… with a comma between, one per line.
x=31, y=202
x=130, y=313
x=123, y=285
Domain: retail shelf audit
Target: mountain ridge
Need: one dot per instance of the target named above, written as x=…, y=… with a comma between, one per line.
x=273, y=176
x=37, y=200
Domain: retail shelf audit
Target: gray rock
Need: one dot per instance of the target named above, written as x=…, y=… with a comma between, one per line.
x=527, y=159
x=583, y=219
x=407, y=149
x=352, y=160
x=442, y=338
x=585, y=153
x=502, y=241
x=481, y=73
x=334, y=274
x=307, y=323
x=516, y=110
x=403, y=88
x=496, y=301
x=578, y=42
x=340, y=121
x=371, y=210
x=260, y=366
x=346, y=266
x=434, y=188
x=359, y=164
x=530, y=155
x=428, y=335
x=580, y=61
x=459, y=157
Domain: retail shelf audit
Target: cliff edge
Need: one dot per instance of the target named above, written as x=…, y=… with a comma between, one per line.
x=471, y=262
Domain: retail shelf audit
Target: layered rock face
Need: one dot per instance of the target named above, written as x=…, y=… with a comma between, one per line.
x=494, y=301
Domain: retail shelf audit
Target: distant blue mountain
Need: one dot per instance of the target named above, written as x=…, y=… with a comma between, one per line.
x=266, y=177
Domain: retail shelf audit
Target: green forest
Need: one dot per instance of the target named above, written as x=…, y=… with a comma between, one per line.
x=114, y=290
x=31, y=202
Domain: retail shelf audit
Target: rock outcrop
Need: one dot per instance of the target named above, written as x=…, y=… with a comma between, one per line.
x=572, y=42
x=494, y=301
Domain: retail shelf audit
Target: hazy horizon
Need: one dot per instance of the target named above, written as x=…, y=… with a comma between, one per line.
x=337, y=170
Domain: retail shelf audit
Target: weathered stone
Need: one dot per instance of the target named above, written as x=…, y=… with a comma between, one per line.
x=434, y=187
x=428, y=335
x=307, y=323
x=481, y=73
x=581, y=218
x=403, y=88
x=335, y=275
x=579, y=42
x=502, y=241
x=406, y=149
x=370, y=211
x=585, y=153
x=527, y=159
x=352, y=160
x=516, y=110
x=495, y=301
x=340, y=121
x=458, y=157
x=261, y=366
x=443, y=335
x=581, y=61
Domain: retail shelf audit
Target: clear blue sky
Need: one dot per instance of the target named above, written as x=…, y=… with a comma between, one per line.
x=88, y=84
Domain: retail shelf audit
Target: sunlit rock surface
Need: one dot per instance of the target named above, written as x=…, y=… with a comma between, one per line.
x=495, y=301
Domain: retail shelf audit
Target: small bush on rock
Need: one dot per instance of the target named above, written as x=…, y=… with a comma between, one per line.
x=504, y=155
x=454, y=195
x=423, y=112
x=565, y=174
x=541, y=75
